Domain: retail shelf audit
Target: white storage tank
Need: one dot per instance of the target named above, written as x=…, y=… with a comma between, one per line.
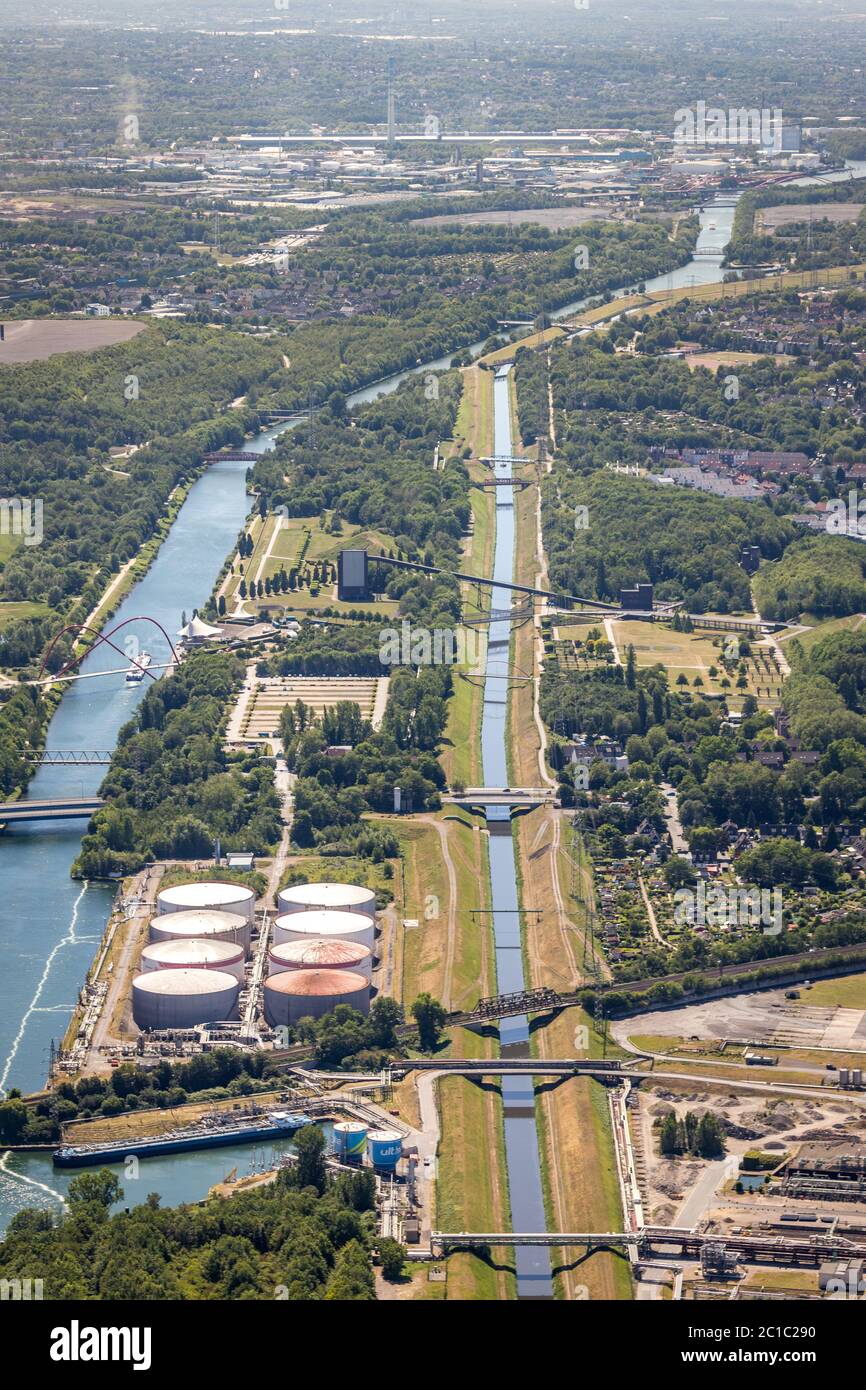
x=334, y=897
x=219, y=897
x=182, y=998
x=295, y=994
x=332, y=926
x=321, y=953
x=196, y=953
x=215, y=926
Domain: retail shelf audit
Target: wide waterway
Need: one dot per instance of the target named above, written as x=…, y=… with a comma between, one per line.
x=51, y=925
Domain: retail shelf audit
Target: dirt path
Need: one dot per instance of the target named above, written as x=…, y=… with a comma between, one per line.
x=651, y=914
x=451, y=920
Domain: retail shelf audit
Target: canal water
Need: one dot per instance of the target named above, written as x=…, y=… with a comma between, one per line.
x=518, y=1096
x=51, y=925
x=31, y=1180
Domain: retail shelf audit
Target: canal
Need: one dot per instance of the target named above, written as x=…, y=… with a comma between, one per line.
x=51, y=924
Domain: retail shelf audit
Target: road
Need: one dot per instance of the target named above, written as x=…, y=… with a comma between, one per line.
x=700, y=1199
x=672, y=819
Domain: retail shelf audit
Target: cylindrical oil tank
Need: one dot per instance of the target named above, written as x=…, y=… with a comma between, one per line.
x=202, y=922
x=195, y=953
x=857, y=1077
x=350, y=1138
x=217, y=897
x=386, y=1148
x=333, y=897
x=332, y=926
x=295, y=994
x=844, y=1076
x=321, y=953
x=182, y=998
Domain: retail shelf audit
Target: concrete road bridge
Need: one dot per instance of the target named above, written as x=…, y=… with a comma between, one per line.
x=502, y=796
x=57, y=808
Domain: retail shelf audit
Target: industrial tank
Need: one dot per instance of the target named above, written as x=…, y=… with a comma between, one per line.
x=321, y=953
x=386, y=1148
x=295, y=994
x=195, y=953
x=334, y=897
x=202, y=922
x=333, y=926
x=220, y=897
x=350, y=1138
x=182, y=998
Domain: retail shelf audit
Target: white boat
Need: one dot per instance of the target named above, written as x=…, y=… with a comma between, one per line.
x=138, y=668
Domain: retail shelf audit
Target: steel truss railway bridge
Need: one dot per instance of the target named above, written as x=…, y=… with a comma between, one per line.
x=66, y=757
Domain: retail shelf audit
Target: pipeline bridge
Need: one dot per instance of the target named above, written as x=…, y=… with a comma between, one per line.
x=519, y=483
x=760, y=1249
x=519, y=1066
x=55, y=808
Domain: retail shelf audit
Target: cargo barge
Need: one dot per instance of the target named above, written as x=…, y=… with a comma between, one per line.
x=275, y=1125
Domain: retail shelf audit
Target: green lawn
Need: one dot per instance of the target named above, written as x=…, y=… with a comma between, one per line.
x=9, y=612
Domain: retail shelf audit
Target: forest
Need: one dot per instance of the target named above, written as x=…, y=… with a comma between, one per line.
x=306, y=1236
x=172, y=788
x=823, y=575
x=684, y=542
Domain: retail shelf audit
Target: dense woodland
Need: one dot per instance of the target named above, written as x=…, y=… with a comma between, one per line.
x=306, y=1236
x=172, y=788
x=686, y=543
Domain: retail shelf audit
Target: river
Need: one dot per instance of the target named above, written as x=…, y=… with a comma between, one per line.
x=51, y=925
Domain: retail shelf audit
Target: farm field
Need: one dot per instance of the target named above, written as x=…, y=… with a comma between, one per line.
x=769, y=220
x=555, y=219
x=713, y=360
x=32, y=340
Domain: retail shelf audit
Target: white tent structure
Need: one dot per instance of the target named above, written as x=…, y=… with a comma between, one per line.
x=197, y=630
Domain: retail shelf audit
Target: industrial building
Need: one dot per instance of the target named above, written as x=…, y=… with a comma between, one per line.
x=195, y=953
x=296, y=994
x=339, y=897
x=194, y=923
x=330, y=926
x=321, y=953
x=182, y=998
x=218, y=897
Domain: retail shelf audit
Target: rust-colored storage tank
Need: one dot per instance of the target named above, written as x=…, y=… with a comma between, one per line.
x=296, y=994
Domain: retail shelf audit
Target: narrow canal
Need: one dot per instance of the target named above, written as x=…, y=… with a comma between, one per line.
x=518, y=1096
